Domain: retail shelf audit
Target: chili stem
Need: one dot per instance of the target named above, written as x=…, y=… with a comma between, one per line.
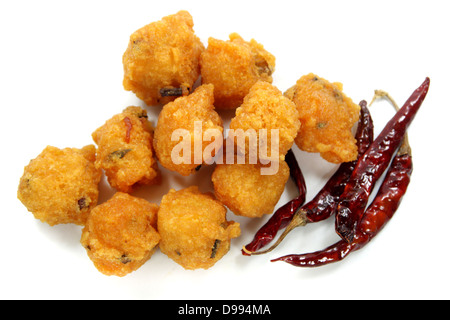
x=298, y=220
x=380, y=94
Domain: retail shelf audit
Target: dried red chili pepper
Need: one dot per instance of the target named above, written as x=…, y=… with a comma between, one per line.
x=324, y=203
x=282, y=215
x=373, y=163
x=377, y=215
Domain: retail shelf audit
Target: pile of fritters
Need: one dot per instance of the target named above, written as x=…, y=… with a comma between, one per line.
x=166, y=64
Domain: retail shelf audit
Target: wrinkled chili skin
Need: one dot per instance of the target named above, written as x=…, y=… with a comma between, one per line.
x=333, y=253
x=296, y=174
x=282, y=215
x=279, y=220
x=285, y=213
x=373, y=163
x=389, y=196
x=324, y=204
x=378, y=214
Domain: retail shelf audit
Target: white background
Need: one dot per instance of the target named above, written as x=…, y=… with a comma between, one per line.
x=61, y=78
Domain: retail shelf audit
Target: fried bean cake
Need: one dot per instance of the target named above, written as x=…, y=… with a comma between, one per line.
x=327, y=116
x=265, y=109
x=61, y=185
x=179, y=135
x=120, y=234
x=125, y=150
x=246, y=191
x=161, y=61
x=193, y=228
x=233, y=67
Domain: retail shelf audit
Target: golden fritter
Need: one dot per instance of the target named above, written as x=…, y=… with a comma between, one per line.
x=162, y=59
x=247, y=192
x=327, y=116
x=125, y=150
x=193, y=228
x=265, y=108
x=61, y=185
x=234, y=66
x=120, y=234
x=180, y=130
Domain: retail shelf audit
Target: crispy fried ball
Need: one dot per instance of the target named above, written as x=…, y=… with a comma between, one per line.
x=120, y=234
x=193, y=228
x=247, y=192
x=266, y=108
x=125, y=150
x=61, y=185
x=162, y=59
x=234, y=66
x=327, y=116
x=184, y=118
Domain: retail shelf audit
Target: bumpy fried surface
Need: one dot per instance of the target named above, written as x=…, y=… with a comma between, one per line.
x=120, y=235
x=162, y=59
x=265, y=107
x=182, y=115
x=245, y=191
x=234, y=66
x=193, y=228
x=327, y=116
x=61, y=186
x=125, y=150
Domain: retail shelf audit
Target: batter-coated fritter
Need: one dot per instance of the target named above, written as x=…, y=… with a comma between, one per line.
x=234, y=66
x=61, y=185
x=265, y=107
x=182, y=116
x=162, y=59
x=125, y=150
x=120, y=235
x=193, y=228
x=327, y=116
x=245, y=191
